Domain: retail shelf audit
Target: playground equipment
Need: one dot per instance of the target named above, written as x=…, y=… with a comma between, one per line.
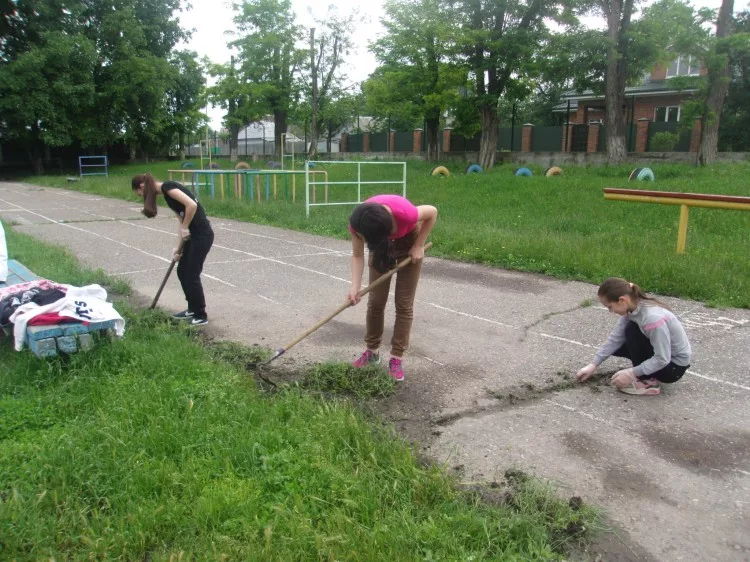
x=523, y=172
x=474, y=169
x=284, y=154
x=103, y=162
x=207, y=143
x=440, y=171
x=240, y=183
x=553, y=171
x=642, y=174
x=684, y=200
x=311, y=183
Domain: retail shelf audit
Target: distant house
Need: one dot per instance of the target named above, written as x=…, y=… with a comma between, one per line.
x=654, y=99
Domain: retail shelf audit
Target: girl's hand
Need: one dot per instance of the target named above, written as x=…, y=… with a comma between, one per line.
x=416, y=253
x=176, y=254
x=353, y=295
x=185, y=233
x=585, y=374
x=623, y=378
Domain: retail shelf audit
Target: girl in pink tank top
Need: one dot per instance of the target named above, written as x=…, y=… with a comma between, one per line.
x=393, y=228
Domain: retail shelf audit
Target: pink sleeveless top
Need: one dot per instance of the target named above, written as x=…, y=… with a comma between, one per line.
x=404, y=212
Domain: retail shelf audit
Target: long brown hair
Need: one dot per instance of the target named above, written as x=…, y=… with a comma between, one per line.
x=374, y=223
x=615, y=287
x=149, y=193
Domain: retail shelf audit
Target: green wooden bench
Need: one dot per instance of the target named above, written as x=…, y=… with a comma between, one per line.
x=49, y=340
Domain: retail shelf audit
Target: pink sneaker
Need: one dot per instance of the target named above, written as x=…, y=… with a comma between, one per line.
x=646, y=387
x=395, y=369
x=367, y=358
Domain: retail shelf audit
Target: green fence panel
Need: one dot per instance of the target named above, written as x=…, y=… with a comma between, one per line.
x=504, y=136
x=683, y=143
x=404, y=141
x=629, y=138
x=463, y=144
x=547, y=139
x=378, y=142
x=354, y=143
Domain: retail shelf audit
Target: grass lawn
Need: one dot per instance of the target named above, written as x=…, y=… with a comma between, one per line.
x=155, y=447
x=559, y=226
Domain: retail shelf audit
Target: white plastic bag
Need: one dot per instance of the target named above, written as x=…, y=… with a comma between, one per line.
x=3, y=256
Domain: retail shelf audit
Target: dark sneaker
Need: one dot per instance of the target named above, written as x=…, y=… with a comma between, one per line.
x=184, y=315
x=199, y=321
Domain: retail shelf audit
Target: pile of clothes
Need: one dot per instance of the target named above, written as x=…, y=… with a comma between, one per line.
x=43, y=302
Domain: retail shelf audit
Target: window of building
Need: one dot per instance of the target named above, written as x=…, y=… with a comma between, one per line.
x=667, y=113
x=684, y=65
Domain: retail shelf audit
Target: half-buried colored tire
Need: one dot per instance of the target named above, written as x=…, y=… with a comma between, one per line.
x=553, y=171
x=474, y=169
x=642, y=174
x=523, y=172
x=440, y=171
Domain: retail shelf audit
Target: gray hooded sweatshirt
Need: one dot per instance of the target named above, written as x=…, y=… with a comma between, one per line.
x=664, y=331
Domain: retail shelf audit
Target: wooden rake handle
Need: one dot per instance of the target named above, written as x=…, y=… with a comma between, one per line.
x=347, y=304
x=169, y=272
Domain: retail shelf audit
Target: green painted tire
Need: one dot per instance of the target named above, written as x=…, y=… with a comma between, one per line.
x=642, y=174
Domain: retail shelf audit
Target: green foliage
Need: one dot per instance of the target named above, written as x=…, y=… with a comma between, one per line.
x=734, y=133
x=79, y=71
x=664, y=141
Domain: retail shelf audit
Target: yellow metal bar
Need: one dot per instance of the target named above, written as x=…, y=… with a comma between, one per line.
x=676, y=201
x=257, y=186
x=170, y=175
x=274, y=187
x=221, y=177
x=682, y=229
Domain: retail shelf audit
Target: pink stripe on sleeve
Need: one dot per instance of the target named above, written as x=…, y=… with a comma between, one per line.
x=656, y=324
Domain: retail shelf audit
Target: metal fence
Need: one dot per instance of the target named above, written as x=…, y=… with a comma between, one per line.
x=219, y=146
x=683, y=141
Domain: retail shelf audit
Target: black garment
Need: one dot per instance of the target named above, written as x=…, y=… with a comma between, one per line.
x=638, y=349
x=9, y=304
x=200, y=220
x=190, y=267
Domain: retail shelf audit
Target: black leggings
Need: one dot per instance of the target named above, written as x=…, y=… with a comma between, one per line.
x=190, y=267
x=638, y=349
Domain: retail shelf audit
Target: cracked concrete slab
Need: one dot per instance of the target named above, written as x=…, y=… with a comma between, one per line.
x=672, y=472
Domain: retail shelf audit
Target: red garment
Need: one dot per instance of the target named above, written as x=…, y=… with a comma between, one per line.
x=50, y=318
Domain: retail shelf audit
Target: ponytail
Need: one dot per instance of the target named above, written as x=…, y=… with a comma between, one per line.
x=374, y=223
x=615, y=287
x=149, y=193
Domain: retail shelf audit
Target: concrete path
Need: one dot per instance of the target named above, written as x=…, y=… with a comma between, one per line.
x=482, y=394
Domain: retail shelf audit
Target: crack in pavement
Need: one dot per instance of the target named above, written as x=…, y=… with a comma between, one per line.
x=522, y=395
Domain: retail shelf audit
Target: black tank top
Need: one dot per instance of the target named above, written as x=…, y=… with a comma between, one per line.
x=200, y=220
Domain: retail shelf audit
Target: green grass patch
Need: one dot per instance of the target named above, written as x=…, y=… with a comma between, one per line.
x=154, y=447
x=559, y=226
x=372, y=381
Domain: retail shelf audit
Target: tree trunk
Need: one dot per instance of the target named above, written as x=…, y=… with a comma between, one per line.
x=181, y=145
x=718, y=87
x=279, y=121
x=618, y=21
x=432, y=125
x=234, y=133
x=313, y=151
x=131, y=150
x=488, y=139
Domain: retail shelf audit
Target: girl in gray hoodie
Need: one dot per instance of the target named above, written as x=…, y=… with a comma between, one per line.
x=648, y=334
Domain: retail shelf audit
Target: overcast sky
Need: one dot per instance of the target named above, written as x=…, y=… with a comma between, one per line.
x=210, y=19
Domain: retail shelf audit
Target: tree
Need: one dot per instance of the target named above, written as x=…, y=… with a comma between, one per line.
x=500, y=40
x=734, y=133
x=417, y=79
x=268, y=57
x=718, y=85
x=185, y=94
x=327, y=54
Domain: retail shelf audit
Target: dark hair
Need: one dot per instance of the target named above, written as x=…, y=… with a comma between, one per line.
x=615, y=287
x=149, y=193
x=374, y=223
